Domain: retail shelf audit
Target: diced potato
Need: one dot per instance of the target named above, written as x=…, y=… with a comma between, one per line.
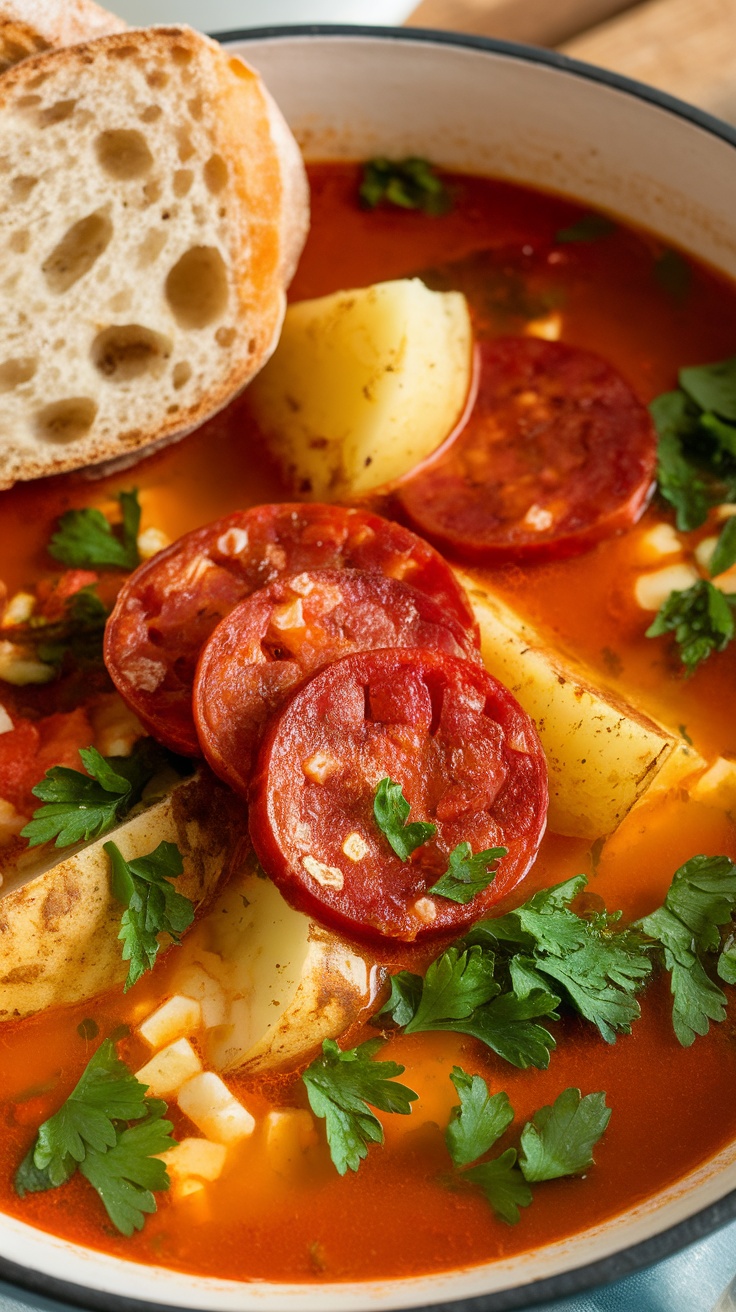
x=601, y=753
x=20, y=667
x=174, y=1019
x=364, y=385
x=195, y=1157
x=169, y=1069
x=548, y=327
x=290, y=1132
x=704, y=552
x=196, y=980
x=210, y=1105
x=18, y=610
x=652, y=589
x=115, y=727
x=661, y=540
x=288, y=982
x=65, y=902
x=717, y=786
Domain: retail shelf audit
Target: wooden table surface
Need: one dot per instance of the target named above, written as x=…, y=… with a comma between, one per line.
x=686, y=47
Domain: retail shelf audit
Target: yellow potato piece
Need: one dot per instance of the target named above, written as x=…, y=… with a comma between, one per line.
x=602, y=754
x=364, y=385
x=288, y=983
x=59, y=929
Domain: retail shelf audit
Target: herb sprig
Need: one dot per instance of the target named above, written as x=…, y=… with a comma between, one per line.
x=410, y=184
x=85, y=539
x=92, y=1133
x=152, y=905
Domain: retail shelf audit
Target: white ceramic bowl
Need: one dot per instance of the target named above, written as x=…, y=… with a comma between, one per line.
x=533, y=117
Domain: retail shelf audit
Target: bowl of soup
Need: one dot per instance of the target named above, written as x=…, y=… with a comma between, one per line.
x=541, y=1121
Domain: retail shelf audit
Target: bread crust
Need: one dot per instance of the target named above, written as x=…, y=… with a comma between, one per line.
x=30, y=26
x=268, y=216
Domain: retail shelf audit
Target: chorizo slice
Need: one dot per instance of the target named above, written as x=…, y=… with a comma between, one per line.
x=283, y=633
x=469, y=763
x=557, y=454
x=170, y=605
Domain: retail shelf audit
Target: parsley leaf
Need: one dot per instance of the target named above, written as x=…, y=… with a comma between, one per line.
x=701, y=899
x=80, y=807
x=678, y=477
x=559, y=1140
x=595, y=967
x=79, y=634
x=724, y=555
x=126, y=1174
x=701, y=618
x=391, y=811
x=411, y=184
x=591, y=227
x=152, y=905
x=459, y=993
x=90, y=1133
x=341, y=1085
x=467, y=875
x=503, y=1185
x=478, y=1121
x=712, y=386
x=86, y=539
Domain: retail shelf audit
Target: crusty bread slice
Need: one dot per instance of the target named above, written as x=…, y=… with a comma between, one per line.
x=153, y=207
x=29, y=26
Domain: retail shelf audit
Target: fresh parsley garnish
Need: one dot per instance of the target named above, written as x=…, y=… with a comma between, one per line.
x=80, y=807
x=391, y=811
x=589, y=961
x=700, y=617
x=153, y=906
x=467, y=875
x=87, y=540
x=679, y=480
x=696, y=429
x=478, y=1121
x=591, y=227
x=459, y=993
x=411, y=184
x=91, y=1133
x=343, y=1086
x=724, y=554
x=700, y=900
x=559, y=1140
x=78, y=635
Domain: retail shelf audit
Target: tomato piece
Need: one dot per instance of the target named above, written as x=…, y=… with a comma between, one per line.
x=557, y=454
x=169, y=606
x=467, y=758
x=53, y=595
x=283, y=633
x=31, y=748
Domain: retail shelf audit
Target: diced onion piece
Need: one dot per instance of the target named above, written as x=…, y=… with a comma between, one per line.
x=19, y=609
x=704, y=552
x=170, y=1068
x=661, y=540
x=116, y=728
x=717, y=786
x=210, y=1105
x=174, y=1019
x=195, y=1157
x=364, y=385
x=198, y=981
x=6, y=724
x=549, y=327
x=652, y=590
x=19, y=667
x=150, y=542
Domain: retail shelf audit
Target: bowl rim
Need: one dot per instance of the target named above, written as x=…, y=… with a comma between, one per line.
x=627, y=1261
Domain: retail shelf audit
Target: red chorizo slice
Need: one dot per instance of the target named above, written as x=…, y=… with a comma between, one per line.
x=283, y=633
x=558, y=453
x=169, y=607
x=467, y=758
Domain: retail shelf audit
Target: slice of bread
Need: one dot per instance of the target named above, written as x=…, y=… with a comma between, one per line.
x=153, y=207
x=29, y=26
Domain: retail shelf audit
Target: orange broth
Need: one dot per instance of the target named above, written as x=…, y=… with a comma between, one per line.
x=673, y=1108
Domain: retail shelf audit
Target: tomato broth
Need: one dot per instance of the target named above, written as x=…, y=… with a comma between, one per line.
x=397, y=1217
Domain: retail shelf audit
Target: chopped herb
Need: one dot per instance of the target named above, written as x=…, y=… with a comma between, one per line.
x=712, y=387
x=678, y=478
x=411, y=184
x=343, y=1086
x=503, y=1185
x=391, y=811
x=682, y=730
x=673, y=274
x=79, y=634
x=701, y=899
x=467, y=875
x=91, y=1133
x=724, y=555
x=152, y=905
x=478, y=1121
x=696, y=427
x=80, y=807
x=701, y=619
x=559, y=1140
x=87, y=540
x=591, y=227
x=459, y=993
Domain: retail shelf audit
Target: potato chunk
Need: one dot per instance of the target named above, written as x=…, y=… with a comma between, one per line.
x=364, y=385
x=601, y=752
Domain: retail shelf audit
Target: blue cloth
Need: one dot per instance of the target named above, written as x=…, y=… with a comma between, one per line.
x=692, y=1281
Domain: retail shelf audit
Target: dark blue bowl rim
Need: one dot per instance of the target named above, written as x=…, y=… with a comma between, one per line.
x=705, y=1222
